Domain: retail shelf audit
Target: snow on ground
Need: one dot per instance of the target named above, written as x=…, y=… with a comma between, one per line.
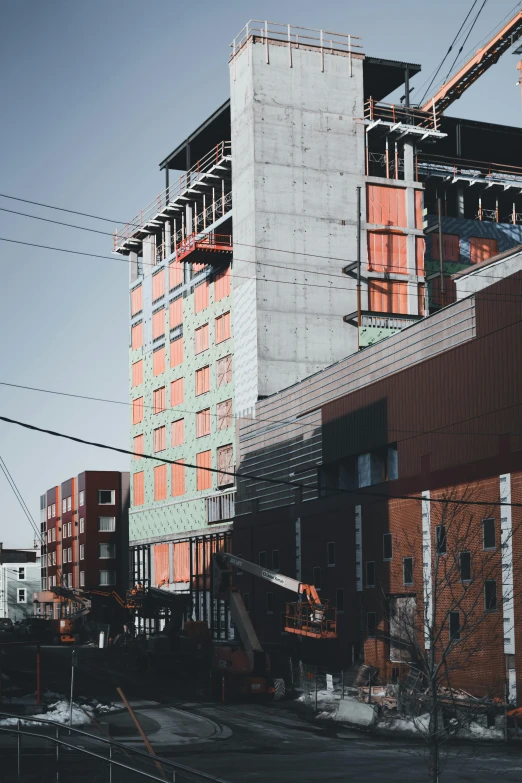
x=59, y=710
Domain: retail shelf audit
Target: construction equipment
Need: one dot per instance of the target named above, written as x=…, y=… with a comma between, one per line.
x=487, y=56
x=245, y=669
x=65, y=629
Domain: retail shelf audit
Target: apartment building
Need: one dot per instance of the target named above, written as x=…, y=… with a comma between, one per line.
x=19, y=578
x=85, y=534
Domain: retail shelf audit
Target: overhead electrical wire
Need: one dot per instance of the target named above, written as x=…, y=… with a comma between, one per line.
x=465, y=39
x=362, y=492
x=18, y=495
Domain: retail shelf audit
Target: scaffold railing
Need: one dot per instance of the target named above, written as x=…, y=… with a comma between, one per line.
x=468, y=169
x=390, y=113
x=217, y=155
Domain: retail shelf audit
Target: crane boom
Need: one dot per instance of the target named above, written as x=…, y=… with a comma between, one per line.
x=272, y=576
x=476, y=66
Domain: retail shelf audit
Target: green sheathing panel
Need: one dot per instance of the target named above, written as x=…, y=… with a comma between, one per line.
x=369, y=335
x=187, y=513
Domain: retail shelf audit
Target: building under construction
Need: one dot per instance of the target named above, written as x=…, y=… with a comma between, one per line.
x=307, y=218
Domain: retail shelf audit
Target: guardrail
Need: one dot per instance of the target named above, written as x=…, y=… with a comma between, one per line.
x=490, y=172
x=400, y=115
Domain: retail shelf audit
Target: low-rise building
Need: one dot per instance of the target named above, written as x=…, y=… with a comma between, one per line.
x=19, y=578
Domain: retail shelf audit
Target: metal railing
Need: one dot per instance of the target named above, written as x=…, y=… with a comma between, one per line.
x=217, y=155
x=400, y=115
x=469, y=169
x=387, y=322
x=165, y=766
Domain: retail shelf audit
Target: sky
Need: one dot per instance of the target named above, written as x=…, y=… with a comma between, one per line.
x=94, y=95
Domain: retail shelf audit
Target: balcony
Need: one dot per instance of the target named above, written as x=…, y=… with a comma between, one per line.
x=471, y=172
x=402, y=120
x=205, y=248
x=200, y=197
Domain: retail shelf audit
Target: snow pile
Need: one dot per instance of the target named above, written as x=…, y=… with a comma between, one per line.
x=59, y=711
x=413, y=726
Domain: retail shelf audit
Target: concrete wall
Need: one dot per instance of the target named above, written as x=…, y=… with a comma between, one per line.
x=298, y=155
x=486, y=276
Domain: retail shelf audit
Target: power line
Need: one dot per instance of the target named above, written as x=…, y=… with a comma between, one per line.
x=250, y=476
x=466, y=38
x=56, y=222
x=18, y=496
x=71, y=211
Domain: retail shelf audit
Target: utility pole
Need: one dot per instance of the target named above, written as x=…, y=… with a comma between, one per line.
x=441, y=255
x=358, y=268
x=74, y=662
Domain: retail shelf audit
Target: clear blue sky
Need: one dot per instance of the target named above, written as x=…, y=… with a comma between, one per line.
x=94, y=95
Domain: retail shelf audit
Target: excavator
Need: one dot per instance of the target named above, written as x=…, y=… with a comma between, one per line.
x=245, y=669
x=64, y=629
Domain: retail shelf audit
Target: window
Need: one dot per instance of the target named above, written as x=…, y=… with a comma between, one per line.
x=69, y=503
x=222, y=284
x=107, y=551
x=82, y=551
x=106, y=497
x=159, y=399
x=269, y=603
x=64, y=505
x=48, y=536
x=330, y=553
x=224, y=415
x=203, y=423
x=202, y=380
x=178, y=432
x=201, y=338
x=203, y=476
x=107, y=578
x=339, y=599
x=454, y=626
x=176, y=392
x=178, y=478
x=158, y=324
x=225, y=460
x=69, y=529
x=201, y=296
x=160, y=439
x=70, y=555
x=275, y=559
x=107, y=524
x=488, y=533
x=222, y=327
x=136, y=300
x=138, y=444
x=44, y=583
x=158, y=361
x=82, y=578
x=138, y=489
x=137, y=336
x=64, y=530
x=490, y=595
x=176, y=352
x=440, y=539
x=158, y=285
x=54, y=534
x=387, y=296
x=82, y=525
x=371, y=625
x=176, y=312
x=54, y=509
x=316, y=577
x=175, y=274
x=137, y=410
x=137, y=373
x=48, y=512
x=160, y=482
x=223, y=371
x=64, y=556
x=465, y=566
x=407, y=570
x=21, y=595
x=21, y=573
x=370, y=573
x=387, y=546
x=82, y=498
x=262, y=559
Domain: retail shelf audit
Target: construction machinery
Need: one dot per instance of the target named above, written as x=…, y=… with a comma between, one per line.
x=65, y=629
x=245, y=668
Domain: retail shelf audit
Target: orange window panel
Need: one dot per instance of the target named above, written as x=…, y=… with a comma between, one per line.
x=176, y=392
x=158, y=324
x=422, y=299
x=420, y=247
x=137, y=410
x=225, y=458
x=222, y=327
x=175, y=274
x=387, y=252
x=388, y=296
x=137, y=336
x=201, y=299
x=160, y=439
x=176, y=352
x=224, y=415
x=419, y=203
x=182, y=561
x=386, y=205
x=138, y=489
x=178, y=432
x=203, y=475
x=138, y=445
x=160, y=482
x=203, y=423
x=450, y=247
x=202, y=380
x=136, y=300
x=158, y=361
x=224, y=370
x=450, y=291
x=159, y=399
x=158, y=285
x=201, y=338
x=178, y=478
x=137, y=373
x=222, y=284
x=480, y=249
x=161, y=564
x=176, y=312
